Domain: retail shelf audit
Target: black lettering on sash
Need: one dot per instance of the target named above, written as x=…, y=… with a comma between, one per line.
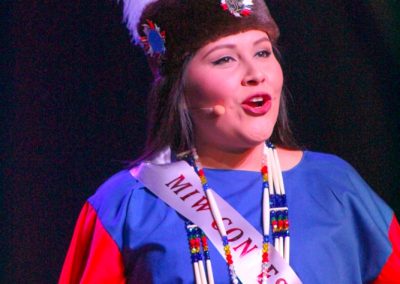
x=202, y=204
x=246, y=249
x=177, y=184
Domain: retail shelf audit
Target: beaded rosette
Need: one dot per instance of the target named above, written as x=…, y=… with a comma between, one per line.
x=238, y=8
x=154, y=40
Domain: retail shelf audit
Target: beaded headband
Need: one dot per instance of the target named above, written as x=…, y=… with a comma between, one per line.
x=171, y=30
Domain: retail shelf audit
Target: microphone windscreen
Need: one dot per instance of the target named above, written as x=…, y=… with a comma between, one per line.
x=216, y=110
x=219, y=110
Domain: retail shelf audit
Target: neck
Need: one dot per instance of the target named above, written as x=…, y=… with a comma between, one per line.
x=243, y=159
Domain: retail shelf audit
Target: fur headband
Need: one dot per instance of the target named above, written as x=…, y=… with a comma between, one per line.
x=180, y=27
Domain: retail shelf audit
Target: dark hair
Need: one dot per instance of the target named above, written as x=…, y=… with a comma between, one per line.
x=282, y=135
x=169, y=122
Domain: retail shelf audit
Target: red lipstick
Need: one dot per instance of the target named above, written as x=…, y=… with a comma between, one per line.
x=258, y=104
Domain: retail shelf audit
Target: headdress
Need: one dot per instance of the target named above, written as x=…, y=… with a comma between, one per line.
x=170, y=30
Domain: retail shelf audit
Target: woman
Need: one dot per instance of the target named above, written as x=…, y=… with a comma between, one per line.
x=211, y=201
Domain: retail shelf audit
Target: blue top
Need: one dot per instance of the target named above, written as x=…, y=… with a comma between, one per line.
x=338, y=225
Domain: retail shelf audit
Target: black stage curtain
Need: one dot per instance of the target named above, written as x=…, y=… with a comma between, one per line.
x=73, y=92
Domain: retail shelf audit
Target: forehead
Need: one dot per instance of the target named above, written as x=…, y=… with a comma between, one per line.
x=240, y=41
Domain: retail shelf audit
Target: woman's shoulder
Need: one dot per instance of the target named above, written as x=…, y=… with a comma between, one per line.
x=115, y=189
x=327, y=171
x=326, y=159
x=323, y=174
x=292, y=160
x=317, y=161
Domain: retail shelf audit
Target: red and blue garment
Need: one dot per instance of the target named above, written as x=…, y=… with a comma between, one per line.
x=341, y=231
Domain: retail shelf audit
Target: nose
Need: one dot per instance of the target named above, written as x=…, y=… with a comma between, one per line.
x=253, y=75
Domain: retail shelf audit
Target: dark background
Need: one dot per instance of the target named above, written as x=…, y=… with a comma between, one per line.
x=73, y=92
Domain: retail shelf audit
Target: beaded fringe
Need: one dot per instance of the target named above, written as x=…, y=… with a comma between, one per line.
x=275, y=221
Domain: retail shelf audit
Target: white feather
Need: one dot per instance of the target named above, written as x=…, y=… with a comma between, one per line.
x=248, y=2
x=133, y=10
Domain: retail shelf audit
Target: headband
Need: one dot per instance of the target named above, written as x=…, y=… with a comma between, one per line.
x=171, y=30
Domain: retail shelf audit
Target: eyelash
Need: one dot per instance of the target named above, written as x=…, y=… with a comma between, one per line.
x=223, y=60
x=263, y=53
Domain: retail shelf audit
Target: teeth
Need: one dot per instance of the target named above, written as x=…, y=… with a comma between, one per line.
x=257, y=100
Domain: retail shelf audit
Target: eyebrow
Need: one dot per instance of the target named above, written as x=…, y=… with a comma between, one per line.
x=231, y=46
x=265, y=38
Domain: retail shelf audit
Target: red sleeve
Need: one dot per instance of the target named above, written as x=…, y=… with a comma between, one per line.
x=390, y=273
x=93, y=256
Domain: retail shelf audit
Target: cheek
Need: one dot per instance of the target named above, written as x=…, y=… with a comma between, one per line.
x=277, y=77
x=197, y=95
x=194, y=85
x=206, y=89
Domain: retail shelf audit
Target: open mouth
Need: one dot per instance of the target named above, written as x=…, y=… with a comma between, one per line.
x=257, y=104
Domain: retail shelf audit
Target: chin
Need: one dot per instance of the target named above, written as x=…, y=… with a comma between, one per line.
x=256, y=140
x=260, y=135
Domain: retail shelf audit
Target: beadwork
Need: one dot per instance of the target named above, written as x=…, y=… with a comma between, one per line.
x=197, y=240
x=275, y=214
x=154, y=40
x=238, y=8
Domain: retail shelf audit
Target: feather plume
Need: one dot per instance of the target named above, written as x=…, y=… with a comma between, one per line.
x=133, y=10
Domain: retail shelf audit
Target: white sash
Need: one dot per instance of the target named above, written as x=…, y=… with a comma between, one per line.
x=178, y=185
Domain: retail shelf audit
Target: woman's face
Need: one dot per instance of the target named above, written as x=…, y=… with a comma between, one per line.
x=240, y=73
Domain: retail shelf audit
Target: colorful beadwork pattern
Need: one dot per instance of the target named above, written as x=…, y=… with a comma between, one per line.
x=227, y=249
x=264, y=255
x=238, y=8
x=275, y=211
x=193, y=234
x=154, y=40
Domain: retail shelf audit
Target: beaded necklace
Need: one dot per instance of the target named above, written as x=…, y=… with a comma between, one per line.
x=274, y=218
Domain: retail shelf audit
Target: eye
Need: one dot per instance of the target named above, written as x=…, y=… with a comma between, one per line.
x=263, y=53
x=223, y=60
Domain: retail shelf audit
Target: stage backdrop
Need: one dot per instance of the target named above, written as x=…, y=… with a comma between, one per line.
x=73, y=93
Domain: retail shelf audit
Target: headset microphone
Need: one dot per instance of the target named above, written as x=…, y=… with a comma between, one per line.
x=218, y=110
